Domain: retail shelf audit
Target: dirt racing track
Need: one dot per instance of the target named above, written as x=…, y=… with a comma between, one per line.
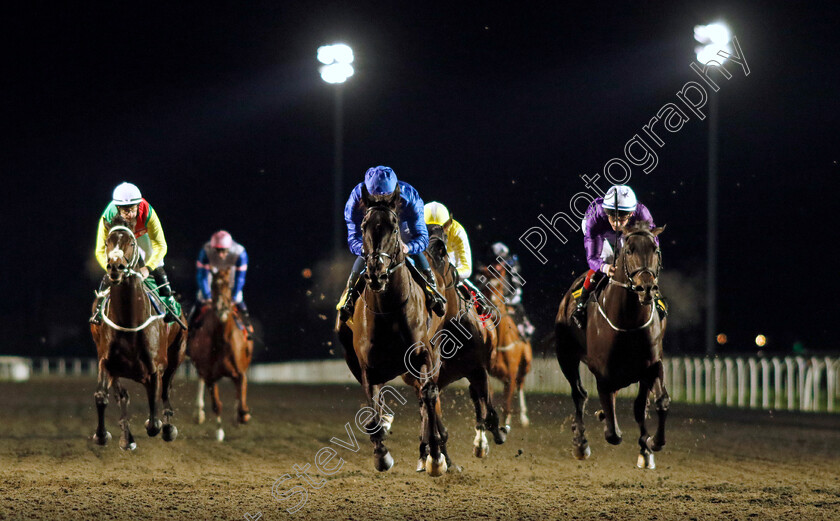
x=718, y=463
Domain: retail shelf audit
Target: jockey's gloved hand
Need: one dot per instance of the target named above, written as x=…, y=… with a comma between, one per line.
x=608, y=269
x=144, y=271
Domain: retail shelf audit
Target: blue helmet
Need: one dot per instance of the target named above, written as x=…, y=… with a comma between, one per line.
x=380, y=180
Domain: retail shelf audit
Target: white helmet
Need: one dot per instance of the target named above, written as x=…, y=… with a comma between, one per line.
x=500, y=249
x=626, y=199
x=435, y=213
x=127, y=194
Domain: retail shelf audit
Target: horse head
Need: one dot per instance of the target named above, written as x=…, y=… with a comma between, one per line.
x=381, y=243
x=437, y=247
x=641, y=260
x=220, y=292
x=121, y=251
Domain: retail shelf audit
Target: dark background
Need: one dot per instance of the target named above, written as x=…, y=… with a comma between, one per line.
x=217, y=112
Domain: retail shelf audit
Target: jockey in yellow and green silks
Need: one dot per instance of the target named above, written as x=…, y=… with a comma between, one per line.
x=128, y=203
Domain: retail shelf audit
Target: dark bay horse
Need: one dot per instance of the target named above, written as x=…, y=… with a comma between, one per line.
x=219, y=348
x=391, y=330
x=466, y=347
x=622, y=343
x=134, y=342
x=512, y=355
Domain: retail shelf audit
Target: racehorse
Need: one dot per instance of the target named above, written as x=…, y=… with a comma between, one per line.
x=133, y=342
x=622, y=343
x=220, y=348
x=511, y=360
x=391, y=330
x=466, y=347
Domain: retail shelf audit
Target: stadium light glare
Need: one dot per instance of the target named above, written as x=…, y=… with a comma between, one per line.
x=712, y=38
x=336, y=59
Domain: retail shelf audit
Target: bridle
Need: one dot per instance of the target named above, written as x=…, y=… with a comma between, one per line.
x=381, y=255
x=117, y=253
x=639, y=289
x=449, y=268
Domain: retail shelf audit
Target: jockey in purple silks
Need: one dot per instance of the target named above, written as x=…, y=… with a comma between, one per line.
x=382, y=180
x=602, y=223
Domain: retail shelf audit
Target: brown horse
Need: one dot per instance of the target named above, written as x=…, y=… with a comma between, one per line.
x=512, y=355
x=133, y=342
x=466, y=346
x=219, y=348
x=391, y=330
x=622, y=343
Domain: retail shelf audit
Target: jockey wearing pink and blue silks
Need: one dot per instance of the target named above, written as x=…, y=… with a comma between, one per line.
x=381, y=180
x=601, y=227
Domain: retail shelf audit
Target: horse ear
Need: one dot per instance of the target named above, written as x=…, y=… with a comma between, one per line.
x=657, y=231
x=447, y=224
x=395, y=197
x=365, y=195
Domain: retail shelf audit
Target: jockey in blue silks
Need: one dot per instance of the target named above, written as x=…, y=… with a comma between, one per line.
x=382, y=180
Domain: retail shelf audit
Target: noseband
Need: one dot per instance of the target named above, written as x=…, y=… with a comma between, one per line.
x=381, y=255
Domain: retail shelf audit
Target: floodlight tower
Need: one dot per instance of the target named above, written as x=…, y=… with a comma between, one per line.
x=712, y=38
x=337, y=59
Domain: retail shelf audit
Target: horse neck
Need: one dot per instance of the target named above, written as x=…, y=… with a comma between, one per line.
x=128, y=302
x=618, y=300
x=399, y=290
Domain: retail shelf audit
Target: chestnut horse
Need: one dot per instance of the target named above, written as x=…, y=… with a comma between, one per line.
x=219, y=348
x=512, y=355
x=622, y=343
x=466, y=347
x=133, y=342
x=391, y=330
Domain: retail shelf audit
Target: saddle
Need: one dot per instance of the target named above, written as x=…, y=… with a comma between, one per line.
x=151, y=289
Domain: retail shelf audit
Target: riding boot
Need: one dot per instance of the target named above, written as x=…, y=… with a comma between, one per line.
x=347, y=307
x=438, y=302
x=100, y=300
x=165, y=294
x=246, y=319
x=579, y=315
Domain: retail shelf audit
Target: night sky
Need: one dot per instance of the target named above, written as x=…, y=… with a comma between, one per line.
x=218, y=114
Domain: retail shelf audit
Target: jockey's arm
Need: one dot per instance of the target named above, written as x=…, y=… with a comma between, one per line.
x=459, y=244
x=155, y=231
x=241, y=269
x=593, y=244
x=101, y=238
x=413, y=215
x=353, y=218
x=202, y=275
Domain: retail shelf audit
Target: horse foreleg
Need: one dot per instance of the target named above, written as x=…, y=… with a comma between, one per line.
x=523, y=408
x=243, y=413
x=436, y=464
x=662, y=402
x=611, y=431
x=126, y=439
x=153, y=425
x=510, y=387
x=645, y=460
x=216, y=404
x=101, y=436
x=444, y=434
x=170, y=432
x=571, y=370
x=382, y=459
x=199, y=401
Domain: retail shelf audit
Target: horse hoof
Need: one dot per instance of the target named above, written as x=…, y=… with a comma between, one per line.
x=220, y=434
x=200, y=418
x=245, y=418
x=653, y=446
x=645, y=461
x=383, y=463
x=103, y=440
x=524, y=421
x=582, y=453
x=481, y=451
x=153, y=430
x=500, y=435
x=612, y=439
x=436, y=467
x=421, y=465
x=600, y=415
x=128, y=446
x=170, y=432
x=387, y=421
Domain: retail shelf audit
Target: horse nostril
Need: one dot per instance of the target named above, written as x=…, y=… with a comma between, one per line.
x=121, y=267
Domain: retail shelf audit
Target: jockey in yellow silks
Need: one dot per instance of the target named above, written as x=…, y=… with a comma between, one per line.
x=131, y=206
x=454, y=236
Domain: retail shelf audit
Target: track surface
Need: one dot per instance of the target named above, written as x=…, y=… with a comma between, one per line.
x=718, y=463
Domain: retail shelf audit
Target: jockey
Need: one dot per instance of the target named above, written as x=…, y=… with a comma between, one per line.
x=219, y=253
x=457, y=244
x=602, y=223
x=130, y=205
x=513, y=287
x=382, y=180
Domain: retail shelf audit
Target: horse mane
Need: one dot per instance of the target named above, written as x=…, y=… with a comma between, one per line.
x=119, y=221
